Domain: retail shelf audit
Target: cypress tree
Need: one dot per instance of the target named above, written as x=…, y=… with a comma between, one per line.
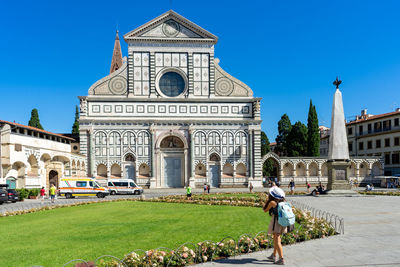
x=313, y=135
x=75, y=126
x=265, y=148
x=34, y=121
x=297, y=140
x=268, y=166
x=284, y=128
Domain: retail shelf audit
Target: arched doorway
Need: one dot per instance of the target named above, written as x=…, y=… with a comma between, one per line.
x=313, y=169
x=172, y=161
x=115, y=171
x=214, y=170
x=130, y=167
x=12, y=182
x=376, y=169
x=300, y=170
x=271, y=168
x=53, y=178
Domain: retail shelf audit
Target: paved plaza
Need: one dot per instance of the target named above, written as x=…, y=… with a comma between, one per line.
x=372, y=236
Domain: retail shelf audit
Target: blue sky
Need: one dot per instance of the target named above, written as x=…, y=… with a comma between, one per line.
x=288, y=52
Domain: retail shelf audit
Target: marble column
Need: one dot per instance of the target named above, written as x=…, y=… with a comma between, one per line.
x=191, y=158
x=153, y=178
x=250, y=145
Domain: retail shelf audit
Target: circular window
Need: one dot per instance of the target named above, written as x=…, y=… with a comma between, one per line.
x=172, y=84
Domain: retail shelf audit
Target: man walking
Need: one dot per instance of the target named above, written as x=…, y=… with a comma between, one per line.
x=52, y=193
x=188, y=192
x=292, y=186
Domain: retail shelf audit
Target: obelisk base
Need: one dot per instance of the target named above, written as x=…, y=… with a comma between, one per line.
x=338, y=178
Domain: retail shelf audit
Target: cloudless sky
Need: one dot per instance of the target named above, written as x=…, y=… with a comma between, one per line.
x=288, y=52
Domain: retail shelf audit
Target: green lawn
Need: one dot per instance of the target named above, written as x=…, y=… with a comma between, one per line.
x=53, y=237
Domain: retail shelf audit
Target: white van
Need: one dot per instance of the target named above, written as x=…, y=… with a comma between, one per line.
x=123, y=186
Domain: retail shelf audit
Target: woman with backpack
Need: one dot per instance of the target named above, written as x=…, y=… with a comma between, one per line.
x=275, y=196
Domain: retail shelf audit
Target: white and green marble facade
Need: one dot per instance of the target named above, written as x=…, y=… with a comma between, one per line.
x=216, y=118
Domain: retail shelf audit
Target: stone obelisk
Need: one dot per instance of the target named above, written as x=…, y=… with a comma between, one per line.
x=338, y=157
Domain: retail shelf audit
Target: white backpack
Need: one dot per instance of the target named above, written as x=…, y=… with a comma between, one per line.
x=286, y=216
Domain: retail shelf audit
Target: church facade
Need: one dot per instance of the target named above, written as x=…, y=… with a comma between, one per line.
x=168, y=115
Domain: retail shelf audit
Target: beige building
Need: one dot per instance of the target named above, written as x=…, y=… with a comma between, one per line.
x=377, y=135
x=324, y=141
x=372, y=135
x=32, y=158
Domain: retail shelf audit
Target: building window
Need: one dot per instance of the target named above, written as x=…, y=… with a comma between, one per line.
x=378, y=126
x=172, y=84
x=360, y=130
x=369, y=145
x=387, y=125
x=350, y=131
x=361, y=146
x=387, y=142
x=378, y=143
x=350, y=147
x=387, y=158
x=369, y=128
x=396, y=158
x=397, y=141
x=396, y=122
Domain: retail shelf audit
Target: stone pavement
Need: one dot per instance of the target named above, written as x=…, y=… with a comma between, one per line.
x=372, y=236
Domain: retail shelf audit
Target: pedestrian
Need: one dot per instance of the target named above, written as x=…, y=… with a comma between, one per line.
x=275, y=196
x=42, y=193
x=188, y=192
x=308, y=187
x=292, y=186
x=52, y=193
x=251, y=187
x=205, y=188
x=208, y=188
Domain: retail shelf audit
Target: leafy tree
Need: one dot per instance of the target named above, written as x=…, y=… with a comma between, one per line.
x=34, y=121
x=75, y=126
x=297, y=140
x=284, y=128
x=313, y=136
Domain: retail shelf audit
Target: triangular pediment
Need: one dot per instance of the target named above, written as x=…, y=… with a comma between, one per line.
x=170, y=26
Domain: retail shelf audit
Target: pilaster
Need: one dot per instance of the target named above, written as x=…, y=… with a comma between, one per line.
x=153, y=92
x=130, y=74
x=190, y=74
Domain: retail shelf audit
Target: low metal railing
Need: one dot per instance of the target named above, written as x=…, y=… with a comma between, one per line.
x=334, y=220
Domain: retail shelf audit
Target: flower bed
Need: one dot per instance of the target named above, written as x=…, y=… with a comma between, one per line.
x=379, y=193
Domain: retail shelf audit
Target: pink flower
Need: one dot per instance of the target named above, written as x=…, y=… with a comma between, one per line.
x=185, y=255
